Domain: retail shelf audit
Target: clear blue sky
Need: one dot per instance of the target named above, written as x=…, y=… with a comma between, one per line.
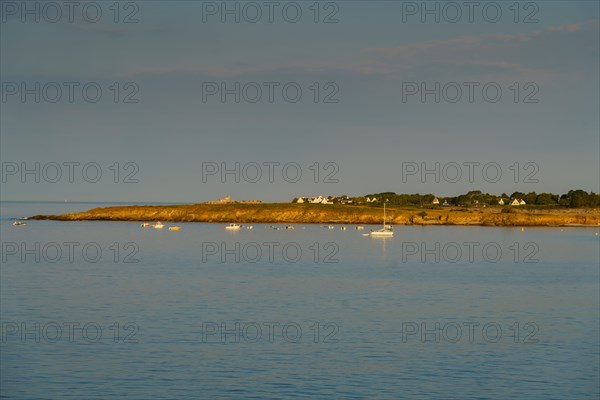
x=370, y=55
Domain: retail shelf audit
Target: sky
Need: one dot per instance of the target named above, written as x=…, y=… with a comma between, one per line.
x=182, y=103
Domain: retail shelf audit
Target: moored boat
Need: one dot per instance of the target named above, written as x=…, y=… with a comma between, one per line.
x=386, y=231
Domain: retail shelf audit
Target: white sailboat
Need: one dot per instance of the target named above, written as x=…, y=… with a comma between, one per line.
x=386, y=231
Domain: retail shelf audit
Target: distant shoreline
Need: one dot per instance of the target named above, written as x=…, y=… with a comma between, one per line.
x=337, y=214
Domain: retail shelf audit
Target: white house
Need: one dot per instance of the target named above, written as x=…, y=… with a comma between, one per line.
x=326, y=201
x=515, y=202
x=300, y=200
x=316, y=200
x=522, y=202
x=435, y=201
x=501, y=202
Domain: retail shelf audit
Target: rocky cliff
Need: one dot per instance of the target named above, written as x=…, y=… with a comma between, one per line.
x=316, y=213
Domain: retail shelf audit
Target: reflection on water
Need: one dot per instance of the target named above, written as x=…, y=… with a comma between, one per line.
x=435, y=312
x=383, y=244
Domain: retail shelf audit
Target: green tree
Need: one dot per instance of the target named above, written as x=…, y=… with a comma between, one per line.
x=578, y=198
x=530, y=198
x=546, y=199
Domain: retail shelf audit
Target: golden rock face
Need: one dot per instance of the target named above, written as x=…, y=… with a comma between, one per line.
x=318, y=213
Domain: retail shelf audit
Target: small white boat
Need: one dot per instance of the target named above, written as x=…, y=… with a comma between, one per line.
x=19, y=223
x=360, y=228
x=330, y=227
x=289, y=227
x=382, y=233
x=145, y=225
x=233, y=227
x=158, y=225
x=249, y=227
x=386, y=231
x=343, y=228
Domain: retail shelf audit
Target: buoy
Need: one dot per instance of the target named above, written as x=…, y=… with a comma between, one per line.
x=596, y=233
x=522, y=229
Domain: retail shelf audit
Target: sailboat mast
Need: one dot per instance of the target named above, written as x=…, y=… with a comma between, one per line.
x=384, y=214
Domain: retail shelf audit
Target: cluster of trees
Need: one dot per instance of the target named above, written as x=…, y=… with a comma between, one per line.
x=574, y=198
x=580, y=198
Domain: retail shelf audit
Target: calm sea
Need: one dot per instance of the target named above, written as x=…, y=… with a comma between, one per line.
x=94, y=310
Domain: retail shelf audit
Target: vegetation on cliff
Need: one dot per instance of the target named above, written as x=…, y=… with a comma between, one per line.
x=573, y=199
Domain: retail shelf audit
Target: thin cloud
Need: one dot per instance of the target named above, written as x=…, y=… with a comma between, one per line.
x=542, y=54
x=109, y=31
x=490, y=41
x=545, y=54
